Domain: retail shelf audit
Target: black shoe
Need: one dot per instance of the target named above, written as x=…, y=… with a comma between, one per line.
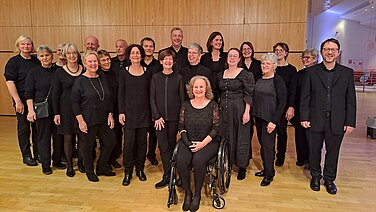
x=29, y=161
x=315, y=184
x=92, y=177
x=266, y=181
x=195, y=204
x=81, y=166
x=279, y=161
x=47, y=170
x=141, y=175
x=178, y=183
x=260, y=174
x=37, y=158
x=187, y=201
x=127, y=179
x=331, y=188
x=301, y=163
x=116, y=165
x=241, y=174
x=106, y=173
x=59, y=165
x=70, y=171
x=163, y=183
x=152, y=160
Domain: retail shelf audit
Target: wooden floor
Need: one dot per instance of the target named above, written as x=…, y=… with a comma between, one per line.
x=25, y=188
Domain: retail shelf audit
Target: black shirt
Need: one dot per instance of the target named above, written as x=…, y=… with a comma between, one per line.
x=166, y=96
x=154, y=66
x=329, y=75
x=199, y=123
x=134, y=99
x=181, y=57
x=90, y=97
x=270, y=99
x=113, y=84
x=38, y=83
x=17, y=69
x=254, y=68
x=118, y=65
x=287, y=73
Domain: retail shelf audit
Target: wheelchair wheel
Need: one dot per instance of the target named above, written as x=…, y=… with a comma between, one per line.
x=219, y=202
x=224, y=167
x=172, y=196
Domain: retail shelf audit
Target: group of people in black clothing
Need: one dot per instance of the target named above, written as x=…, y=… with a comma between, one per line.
x=198, y=96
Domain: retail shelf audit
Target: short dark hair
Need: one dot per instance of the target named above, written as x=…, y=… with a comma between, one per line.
x=102, y=53
x=332, y=40
x=284, y=46
x=148, y=39
x=130, y=47
x=211, y=38
x=250, y=45
x=165, y=53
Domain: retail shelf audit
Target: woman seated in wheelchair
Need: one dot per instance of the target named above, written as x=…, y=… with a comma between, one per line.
x=198, y=127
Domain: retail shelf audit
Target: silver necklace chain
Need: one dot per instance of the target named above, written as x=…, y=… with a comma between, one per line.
x=100, y=83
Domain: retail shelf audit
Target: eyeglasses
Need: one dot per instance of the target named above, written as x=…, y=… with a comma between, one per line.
x=194, y=53
x=305, y=57
x=279, y=50
x=71, y=53
x=334, y=50
x=267, y=63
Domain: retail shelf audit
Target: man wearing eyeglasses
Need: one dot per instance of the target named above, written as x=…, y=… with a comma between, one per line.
x=328, y=111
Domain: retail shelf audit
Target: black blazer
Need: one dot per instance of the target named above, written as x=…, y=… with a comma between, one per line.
x=312, y=101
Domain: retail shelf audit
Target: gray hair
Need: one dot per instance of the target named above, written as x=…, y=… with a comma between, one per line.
x=69, y=46
x=313, y=52
x=269, y=56
x=44, y=48
x=197, y=47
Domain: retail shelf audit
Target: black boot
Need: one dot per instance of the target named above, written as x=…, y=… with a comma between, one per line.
x=70, y=170
x=187, y=201
x=195, y=202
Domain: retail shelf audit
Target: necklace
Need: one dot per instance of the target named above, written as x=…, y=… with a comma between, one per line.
x=73, y=72
x=100, y=83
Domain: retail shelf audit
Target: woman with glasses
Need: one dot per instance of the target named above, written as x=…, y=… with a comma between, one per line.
x=61, y=100
x=194, y=68
x=236, y=87
x=309, y=58
x=249, y=62
x=269, y=105
x=286, y=71
x=134, y=112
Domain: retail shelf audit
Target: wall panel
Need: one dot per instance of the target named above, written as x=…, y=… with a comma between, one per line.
x=65, y=13
x=10, y=34
x=15, y=13
x=6, y=104
x=52, y=36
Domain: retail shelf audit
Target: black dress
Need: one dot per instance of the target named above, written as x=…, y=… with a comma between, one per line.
x=215, y=67
x=254, y=68
x=235, y=93
x=61, y=100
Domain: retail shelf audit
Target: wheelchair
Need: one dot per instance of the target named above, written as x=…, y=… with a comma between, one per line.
x=218, y=172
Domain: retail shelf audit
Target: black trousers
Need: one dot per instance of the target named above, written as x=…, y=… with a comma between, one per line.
x=282, y=138
x=332, y=146
x=134, y=149
x=152, y=147
x=267, y=142
x=186, y=160
x=166, y=142
x=58, y=144
x=44, y=129
x=23, y=133
x=301, y=141
x=116, y=152
x=88, y=142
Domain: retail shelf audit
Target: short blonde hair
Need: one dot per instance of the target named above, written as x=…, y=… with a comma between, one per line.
x=208, y=93
x=89, y=52
x=23, y=38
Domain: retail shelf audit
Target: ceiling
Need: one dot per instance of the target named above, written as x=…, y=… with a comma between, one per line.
x=362, y=11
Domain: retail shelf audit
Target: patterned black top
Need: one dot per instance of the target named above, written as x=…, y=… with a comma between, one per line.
x=199, y=122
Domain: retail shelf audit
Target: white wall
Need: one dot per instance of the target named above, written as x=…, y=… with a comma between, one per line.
x=358, y=43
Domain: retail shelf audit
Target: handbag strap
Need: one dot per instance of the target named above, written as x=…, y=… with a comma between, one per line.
x=49, y=90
